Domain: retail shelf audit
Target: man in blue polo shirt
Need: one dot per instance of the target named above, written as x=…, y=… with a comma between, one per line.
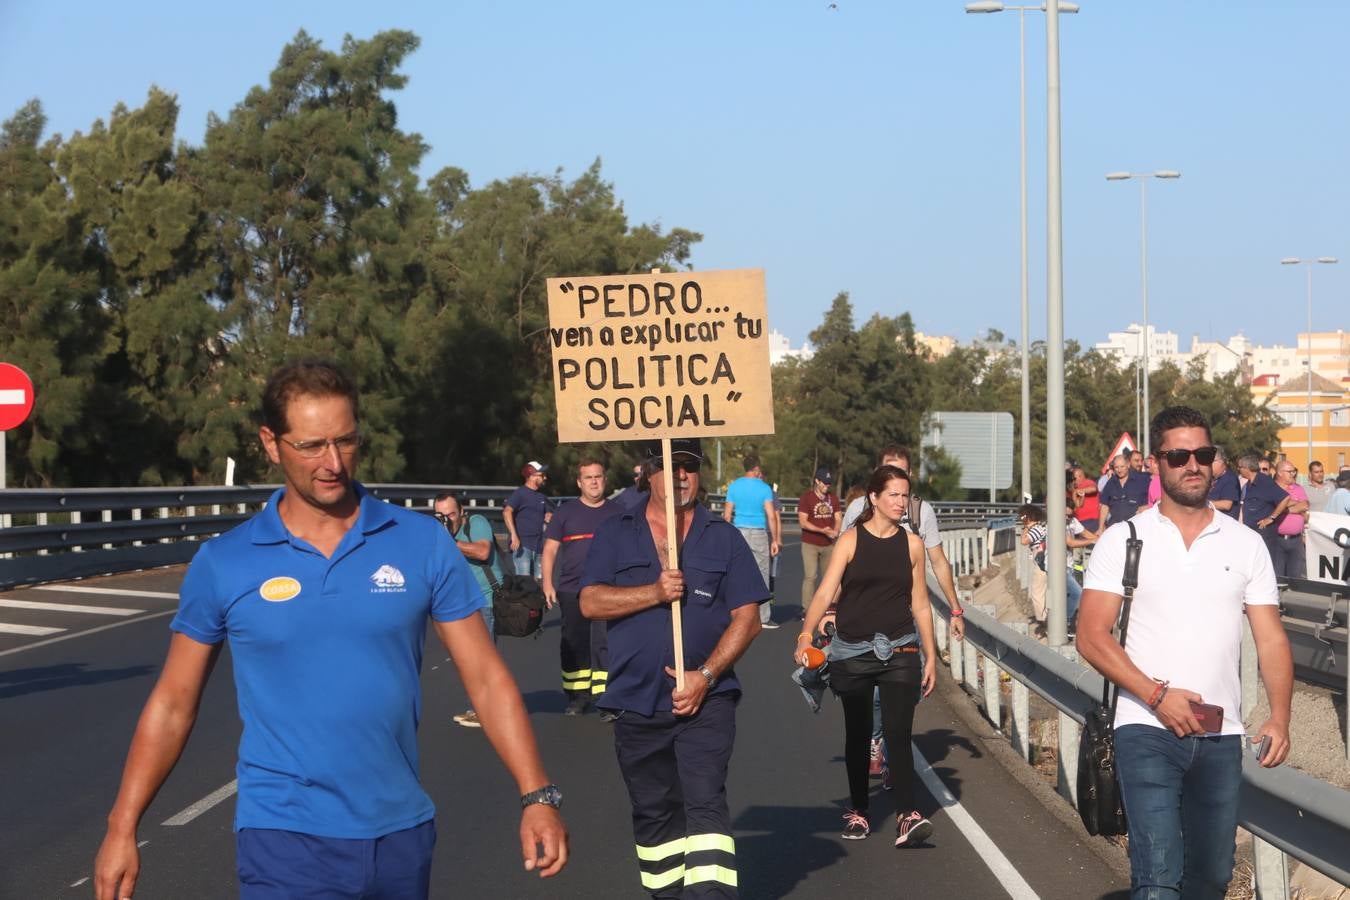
x=1226, y=492
x=324, y=598
x=525, y=513
x=674, y=744
x=1124, y=494
x=1263, y=501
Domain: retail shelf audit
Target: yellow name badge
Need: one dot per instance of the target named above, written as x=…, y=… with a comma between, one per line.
x=278, y=590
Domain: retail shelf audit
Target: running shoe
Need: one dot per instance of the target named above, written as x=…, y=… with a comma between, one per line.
x=770, y=624
x=877, y=762
x=855, y=826
x=469, y=719
x=912, y=829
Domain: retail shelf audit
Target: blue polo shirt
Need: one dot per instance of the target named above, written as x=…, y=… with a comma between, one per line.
x=1124, y=500
x=720, y=575
x=327, y=654
x=1227, y=487
x=1259, y=501
x=748, y=495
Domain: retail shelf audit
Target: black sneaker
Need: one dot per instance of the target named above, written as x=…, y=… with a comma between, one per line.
x=855, y=826
x=912, y=829
x=576, y=707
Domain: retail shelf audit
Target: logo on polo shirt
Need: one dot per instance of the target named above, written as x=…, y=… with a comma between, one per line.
x=280, y=589
x=702, y=593
x=387, y=579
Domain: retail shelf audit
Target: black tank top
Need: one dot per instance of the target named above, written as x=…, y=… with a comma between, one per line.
x=875, y=593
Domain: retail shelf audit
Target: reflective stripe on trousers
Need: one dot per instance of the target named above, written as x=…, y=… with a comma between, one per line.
x=675, y=771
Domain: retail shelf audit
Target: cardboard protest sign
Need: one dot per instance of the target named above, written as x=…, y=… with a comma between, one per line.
x=681, y=354
x=1329, y=547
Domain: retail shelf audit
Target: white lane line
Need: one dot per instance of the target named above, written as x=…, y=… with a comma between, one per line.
x=69, y=607
x=203, y=804
x=1003, y=870
x=66, y=637
x=36, y=630
x=107, y=592
x=80, y=882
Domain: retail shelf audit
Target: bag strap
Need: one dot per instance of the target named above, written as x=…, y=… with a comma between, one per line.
x=1130, y=580
x=915, y=511
x=486, y=565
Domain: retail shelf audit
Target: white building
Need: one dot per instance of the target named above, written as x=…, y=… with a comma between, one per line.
x=1128, y=345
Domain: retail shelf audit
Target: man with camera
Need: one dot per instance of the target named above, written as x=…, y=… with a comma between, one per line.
x=1179, y=736
x=473, y=534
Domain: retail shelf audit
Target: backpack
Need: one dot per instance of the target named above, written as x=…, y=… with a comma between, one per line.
x=517, y=605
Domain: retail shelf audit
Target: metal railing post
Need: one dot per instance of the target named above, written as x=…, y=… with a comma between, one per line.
x=1066, y=774
x=1021, y=706
x=1270, y=871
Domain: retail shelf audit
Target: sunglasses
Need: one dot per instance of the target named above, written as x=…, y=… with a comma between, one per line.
x=688, y=466
x=1178, y=458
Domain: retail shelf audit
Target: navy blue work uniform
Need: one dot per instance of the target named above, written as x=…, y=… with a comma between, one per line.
x=675, y=768
x=573, y=527
x=1259, y=499
x=1124, y=500
x=1227, y=487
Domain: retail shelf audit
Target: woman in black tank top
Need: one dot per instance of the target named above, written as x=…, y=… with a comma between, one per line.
x=882, y=620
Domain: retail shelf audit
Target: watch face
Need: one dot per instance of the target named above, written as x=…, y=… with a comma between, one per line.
x=549, y=794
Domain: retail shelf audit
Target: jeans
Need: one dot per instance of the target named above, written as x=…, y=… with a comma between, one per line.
x=758, y=539
x=1288, y=556
x=526, y=562
x=1075, y=595
x=1181, y=799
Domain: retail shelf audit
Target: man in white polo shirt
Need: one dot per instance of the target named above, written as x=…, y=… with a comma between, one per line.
x=1199, y=572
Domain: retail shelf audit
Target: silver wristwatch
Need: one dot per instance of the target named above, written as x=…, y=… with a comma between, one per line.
x=707, y=673
x=549, y=795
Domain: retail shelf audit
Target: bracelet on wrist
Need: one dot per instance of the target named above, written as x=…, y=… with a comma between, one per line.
x=804, y=634
x=958, y=612
x=1158, y=693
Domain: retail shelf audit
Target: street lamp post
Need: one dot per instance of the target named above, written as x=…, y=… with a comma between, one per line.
x=1142, y=178
x=1309, y=262
x=992, y=7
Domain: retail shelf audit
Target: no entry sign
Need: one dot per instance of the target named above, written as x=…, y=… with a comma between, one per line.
x=16, y=396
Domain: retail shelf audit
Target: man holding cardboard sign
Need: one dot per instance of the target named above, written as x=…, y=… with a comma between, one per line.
x=674, y=743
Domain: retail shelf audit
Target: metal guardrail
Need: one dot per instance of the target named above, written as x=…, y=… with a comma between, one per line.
x=1288, y=811
x=141, y=528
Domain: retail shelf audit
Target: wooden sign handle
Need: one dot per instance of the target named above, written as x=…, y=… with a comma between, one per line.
x=673, y=535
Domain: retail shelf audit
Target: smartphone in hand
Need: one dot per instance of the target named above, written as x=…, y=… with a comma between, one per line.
x=1260, y=750
x=1209, y=716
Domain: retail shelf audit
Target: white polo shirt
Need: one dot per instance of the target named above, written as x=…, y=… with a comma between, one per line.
x=1186, y=619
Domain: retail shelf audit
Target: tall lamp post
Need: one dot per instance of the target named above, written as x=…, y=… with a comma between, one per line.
x=1142, y=178
x=991, y=6
x=1309, y=262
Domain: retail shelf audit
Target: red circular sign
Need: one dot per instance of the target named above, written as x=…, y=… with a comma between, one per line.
x=16, y=396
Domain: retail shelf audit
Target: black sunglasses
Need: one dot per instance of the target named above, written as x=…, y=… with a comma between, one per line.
x=1178, y=458
x=690, y=466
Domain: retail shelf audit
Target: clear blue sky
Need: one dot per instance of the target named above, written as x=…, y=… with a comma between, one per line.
x=870, y=148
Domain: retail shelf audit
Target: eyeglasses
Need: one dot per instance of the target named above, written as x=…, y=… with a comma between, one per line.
x=688, y=466
x=1178, y=458
x=346, y=445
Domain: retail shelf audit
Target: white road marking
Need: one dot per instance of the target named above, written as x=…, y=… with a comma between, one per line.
x=203, y=804
x=80, y=882
x=107, y=592
x=1003, y=870
x=66, y=637
x=38, y=630
x=69, y=607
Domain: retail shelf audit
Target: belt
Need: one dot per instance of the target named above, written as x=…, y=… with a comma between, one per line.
x=1290, y=537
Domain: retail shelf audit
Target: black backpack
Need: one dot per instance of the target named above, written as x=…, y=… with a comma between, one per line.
x=517, y=604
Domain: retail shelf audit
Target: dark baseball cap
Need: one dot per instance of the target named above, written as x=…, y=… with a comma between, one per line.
x=678, y=446
x=823, y=476
x=1343, y=478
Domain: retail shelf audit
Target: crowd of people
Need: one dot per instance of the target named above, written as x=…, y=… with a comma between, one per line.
x=328, y=768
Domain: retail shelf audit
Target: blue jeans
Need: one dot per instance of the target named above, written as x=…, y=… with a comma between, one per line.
x=1075, y=594
x=526, y=562
x=1181, y=799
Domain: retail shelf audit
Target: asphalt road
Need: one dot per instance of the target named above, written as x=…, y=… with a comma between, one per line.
x=69, y=699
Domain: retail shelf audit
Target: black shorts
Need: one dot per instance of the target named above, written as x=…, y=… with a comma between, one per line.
x=865, y=671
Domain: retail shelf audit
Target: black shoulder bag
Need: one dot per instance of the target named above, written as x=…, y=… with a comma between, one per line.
x=517, y=600
x=1099, y=801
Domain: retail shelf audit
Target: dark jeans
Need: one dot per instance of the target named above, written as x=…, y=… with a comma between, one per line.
x=1181, y=799
x=1288, y=556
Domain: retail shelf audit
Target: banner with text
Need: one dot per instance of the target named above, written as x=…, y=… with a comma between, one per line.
x=670, y=354
x=1329, y=547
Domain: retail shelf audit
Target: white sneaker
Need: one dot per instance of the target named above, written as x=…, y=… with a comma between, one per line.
x=469, y=719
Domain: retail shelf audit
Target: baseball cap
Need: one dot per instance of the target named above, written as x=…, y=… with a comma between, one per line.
x=823, y=476
x=686, y=446
x=531, y=467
